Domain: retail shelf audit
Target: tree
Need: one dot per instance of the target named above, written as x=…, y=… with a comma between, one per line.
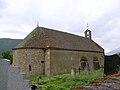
x=7, y=55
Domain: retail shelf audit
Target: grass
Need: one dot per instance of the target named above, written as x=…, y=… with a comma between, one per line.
x=65, y=81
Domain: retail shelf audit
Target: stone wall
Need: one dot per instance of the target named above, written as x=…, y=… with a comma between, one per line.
x=62, y=60
x=4, y=66
x=49, y=62
x=10, y=77
x=30, y=61
x=16, y=80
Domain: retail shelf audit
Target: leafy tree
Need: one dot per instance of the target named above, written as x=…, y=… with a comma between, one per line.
x=7, y=55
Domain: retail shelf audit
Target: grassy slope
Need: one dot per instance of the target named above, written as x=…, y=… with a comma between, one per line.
x=66, y=81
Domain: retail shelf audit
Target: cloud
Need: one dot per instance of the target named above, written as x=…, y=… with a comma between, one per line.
x=19, y=17
x=2, y=4
x=107, y=29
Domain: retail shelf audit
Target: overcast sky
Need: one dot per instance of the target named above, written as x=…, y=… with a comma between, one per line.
x=19, y=17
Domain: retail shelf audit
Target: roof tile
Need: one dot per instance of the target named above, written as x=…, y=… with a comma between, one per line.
x=42, y=37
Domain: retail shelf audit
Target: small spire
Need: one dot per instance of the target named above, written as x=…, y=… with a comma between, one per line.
x=37, y=24
x=87, y=26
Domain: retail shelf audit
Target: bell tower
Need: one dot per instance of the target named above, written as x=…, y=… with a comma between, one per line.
x=88, y=33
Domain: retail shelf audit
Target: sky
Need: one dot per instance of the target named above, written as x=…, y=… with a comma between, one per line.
x=19, y=17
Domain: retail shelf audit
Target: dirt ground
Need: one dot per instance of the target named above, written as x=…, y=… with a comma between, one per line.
x=111, y=82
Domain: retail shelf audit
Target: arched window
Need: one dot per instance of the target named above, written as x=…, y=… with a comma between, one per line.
x=96, y=64
x=83, y=62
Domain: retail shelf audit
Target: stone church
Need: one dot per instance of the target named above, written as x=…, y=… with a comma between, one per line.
x=47, y=51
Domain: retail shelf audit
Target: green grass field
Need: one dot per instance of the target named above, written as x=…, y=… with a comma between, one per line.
x=65, y=81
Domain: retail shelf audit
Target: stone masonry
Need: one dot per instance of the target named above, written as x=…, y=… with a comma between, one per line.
x=30, y=61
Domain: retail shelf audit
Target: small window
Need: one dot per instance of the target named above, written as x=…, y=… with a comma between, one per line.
x=88, y=33
x=29, y=67
x=42, y=61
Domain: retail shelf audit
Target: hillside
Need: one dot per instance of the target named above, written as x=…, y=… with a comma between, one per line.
x=6, y=44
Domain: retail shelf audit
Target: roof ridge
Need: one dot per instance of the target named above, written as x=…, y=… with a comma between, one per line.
x=57, y=30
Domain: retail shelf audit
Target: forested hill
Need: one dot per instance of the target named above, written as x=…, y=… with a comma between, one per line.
x=7, y=44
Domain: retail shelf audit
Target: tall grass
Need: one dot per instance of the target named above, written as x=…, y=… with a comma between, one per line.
x=66, y=81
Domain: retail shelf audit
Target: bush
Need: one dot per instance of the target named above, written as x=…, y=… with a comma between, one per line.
x=7, y=55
